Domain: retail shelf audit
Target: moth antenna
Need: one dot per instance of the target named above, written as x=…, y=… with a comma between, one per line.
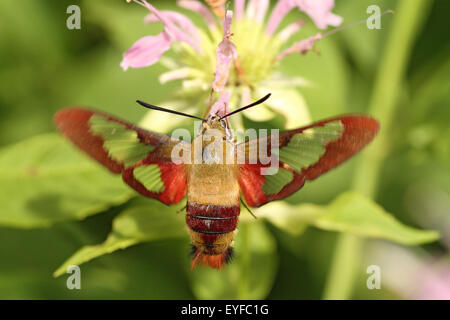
x=248, y=209
x=249, y=106
x=150, y=106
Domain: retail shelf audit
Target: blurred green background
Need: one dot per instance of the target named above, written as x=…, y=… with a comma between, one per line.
x=44, y=67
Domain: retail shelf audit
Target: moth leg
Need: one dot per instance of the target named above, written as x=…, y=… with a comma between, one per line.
x=248, y=209
x=182, y=209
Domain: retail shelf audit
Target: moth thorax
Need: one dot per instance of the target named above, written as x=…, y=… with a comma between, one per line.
x=213, y=148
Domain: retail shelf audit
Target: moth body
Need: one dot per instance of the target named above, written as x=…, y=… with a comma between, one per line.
x=213, y=199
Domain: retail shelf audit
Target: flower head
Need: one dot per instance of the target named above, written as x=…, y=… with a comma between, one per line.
x=240, y=57
x=225, y=55
x=148, y=50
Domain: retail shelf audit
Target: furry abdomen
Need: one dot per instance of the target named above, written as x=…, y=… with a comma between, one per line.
x=213, y=206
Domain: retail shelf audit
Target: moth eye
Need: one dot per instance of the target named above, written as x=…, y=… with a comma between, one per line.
x=223, y=123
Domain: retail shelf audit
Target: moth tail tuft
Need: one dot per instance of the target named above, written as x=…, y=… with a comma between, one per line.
x=216, y=261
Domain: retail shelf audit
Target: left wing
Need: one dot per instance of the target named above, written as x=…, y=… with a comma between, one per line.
x=142, y=157
x=303, y=154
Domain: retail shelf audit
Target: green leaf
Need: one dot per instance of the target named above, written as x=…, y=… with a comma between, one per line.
x=251, y=273
x=144, y=222
x=292, y=219
x=354, y=213
x=351, y=212
x=44, y=180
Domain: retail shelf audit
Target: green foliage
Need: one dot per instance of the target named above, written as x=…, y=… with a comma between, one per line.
x=146, y=222
x=352, y=212
x=45, y=180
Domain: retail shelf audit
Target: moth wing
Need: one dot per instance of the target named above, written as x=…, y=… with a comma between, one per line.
x=122, y=147
x=304, y=154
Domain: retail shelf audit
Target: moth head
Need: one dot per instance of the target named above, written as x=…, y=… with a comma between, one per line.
x=215, y=122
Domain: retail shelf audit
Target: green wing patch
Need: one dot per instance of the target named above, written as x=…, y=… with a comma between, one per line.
x=150, y=177
x=122, y=144
x=305, y=149
x=274, y=183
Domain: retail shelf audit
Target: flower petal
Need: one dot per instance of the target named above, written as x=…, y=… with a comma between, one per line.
x=301, y=46
x=201, y=9
x=281, y=9
x=256, y=10
x=178, y=19
x=176, y=74
x=225, y=54
x=171, y=29
x=227, y=23
x=220, y=108
x=239, y=8
x=320, y=12
x=146, y=51
x=290, y=30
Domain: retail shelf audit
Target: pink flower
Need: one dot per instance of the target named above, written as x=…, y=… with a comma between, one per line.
x=239, y=8
x=256, y=9
x=148, y=50
x=190, y=34
x=225, y=54
x=248, y=60
x=302, y=46
x=201, y=9
x=291, y=29
x=412, y=274
x=318, y=10
x=220, y=108
x=434, y=283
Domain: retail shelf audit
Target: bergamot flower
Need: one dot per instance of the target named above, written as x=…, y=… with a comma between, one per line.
x=237, y=51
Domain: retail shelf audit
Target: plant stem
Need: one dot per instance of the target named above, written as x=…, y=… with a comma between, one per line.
x=394, y=60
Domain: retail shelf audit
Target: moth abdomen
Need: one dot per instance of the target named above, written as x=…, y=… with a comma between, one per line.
x=212, y=229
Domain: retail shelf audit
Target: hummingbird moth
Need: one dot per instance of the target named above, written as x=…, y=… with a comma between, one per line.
x=214, y=190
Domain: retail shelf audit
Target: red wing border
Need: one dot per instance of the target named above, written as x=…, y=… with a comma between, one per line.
x=356, y=132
